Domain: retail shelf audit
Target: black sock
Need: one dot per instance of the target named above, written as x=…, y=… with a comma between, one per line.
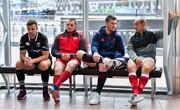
x=45, y=78
x=21, y=77
x=45, y=89
x=101, y=81
x=100, y=61
x=22, y=87
x=87, y=58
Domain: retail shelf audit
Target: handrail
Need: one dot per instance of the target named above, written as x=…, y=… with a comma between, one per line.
x=166, y=47
x=4, y=24
x=5, y=34
x=169, y=46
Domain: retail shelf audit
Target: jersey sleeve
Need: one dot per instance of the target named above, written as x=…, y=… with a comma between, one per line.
x=55, y=50
x=45, y=46
x=23, y=43
x=83, y=44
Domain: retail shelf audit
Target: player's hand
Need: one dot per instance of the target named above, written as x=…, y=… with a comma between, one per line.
x=65, y=57
x=28, y=61
x=96, y=57
x=139, y=61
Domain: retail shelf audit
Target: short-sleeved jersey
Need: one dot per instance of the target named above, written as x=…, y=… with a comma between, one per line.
x=35, y=46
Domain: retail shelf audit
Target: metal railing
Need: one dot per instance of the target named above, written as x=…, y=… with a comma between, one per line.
x=5, y=34
x=1, y=50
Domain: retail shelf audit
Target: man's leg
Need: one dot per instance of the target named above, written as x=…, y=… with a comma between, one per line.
x=132, y=68
x=44, y=66
x=95, y=97
x=58, y=69
x=20, y=67
x=83, y=56
x=101, y=77
x=147, y=66
x=133, y=79
x=117, y=62
x=86, y=58
x=70, y=67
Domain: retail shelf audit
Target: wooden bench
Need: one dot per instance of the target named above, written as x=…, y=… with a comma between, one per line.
x=85, y=72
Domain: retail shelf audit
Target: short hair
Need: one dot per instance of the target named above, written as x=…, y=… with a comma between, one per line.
x=31, y=22
x=110, y=17
x=142, y=20
x=73, y=19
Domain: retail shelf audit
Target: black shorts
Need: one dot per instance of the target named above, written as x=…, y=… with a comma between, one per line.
x=36, y=64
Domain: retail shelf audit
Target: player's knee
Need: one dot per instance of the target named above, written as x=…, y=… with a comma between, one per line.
x=79, y=54
x=19, y=65
x=43, y=66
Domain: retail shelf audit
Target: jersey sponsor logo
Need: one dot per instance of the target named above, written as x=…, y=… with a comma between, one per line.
x=102, y=40
x=44, y=47
x=75, y=38
x=38, y=44
x=22, y=46
x=39, y=50
x=27, y=43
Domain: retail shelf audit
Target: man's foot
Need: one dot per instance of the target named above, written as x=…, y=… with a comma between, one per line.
x=118, y=63
x=137, y=98
x=21, y=95
x=131, y=98
x=46, y=96
x=107, y=61
x=55, y=93
x=94, y=98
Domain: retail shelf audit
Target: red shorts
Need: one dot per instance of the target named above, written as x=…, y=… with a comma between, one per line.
x=65, y=62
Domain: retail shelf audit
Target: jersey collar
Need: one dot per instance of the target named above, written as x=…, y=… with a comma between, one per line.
x=36, y=36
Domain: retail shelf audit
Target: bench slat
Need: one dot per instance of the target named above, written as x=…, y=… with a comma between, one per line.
x=156, y=73
x=12, y=70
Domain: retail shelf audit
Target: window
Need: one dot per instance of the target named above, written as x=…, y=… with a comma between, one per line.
x=52, y=15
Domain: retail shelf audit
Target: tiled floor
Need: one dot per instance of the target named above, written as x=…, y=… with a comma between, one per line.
x=109, y=101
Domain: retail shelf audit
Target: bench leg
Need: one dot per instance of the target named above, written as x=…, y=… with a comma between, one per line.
x=70, y=86
x=90, y=88
x=74, y=82
x=6, y=82
x=85, y=85
x=153, y=88
x=15, y=87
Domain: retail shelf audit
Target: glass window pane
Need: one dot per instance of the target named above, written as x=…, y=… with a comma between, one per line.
x=126, y=11
x=126, y=7
x=51, y=16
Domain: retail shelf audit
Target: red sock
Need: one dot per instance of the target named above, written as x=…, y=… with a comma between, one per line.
x=142, y=83
x=55, y=79
x=134, y=83
x=64, y=76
